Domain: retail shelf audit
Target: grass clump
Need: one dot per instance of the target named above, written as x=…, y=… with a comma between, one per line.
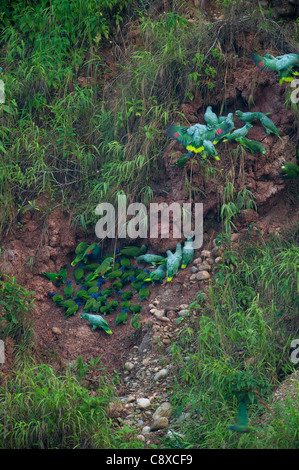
x=237, y=343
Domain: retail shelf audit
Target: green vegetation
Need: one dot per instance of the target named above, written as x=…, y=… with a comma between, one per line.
x=238, y=343
x=84, y=118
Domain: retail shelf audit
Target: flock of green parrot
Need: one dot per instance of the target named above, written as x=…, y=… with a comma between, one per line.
x=201, y=139
x=92, y=270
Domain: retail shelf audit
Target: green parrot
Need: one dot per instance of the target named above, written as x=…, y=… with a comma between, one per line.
x=135, y=308
x=57, y=298
x=209, y=149
x=82, y=256
x=127, y=295
x=114, y=274
x=71, y=310
x=106, y=292
x=241, y=424
x=82, y=294
x=189, y=137
x=252, y=145
x=125, y=304
x=125, y=262
x=188, y=253
x=89, y=304
x=93, y=289
x=210, y=118
x=152, y=259
x=113, y=304
x=182, y=160
x=68, y=290
x=269, y=125
x=289, y=170
x=104, y=309
x=91, y=266
x=283, y=64
x=248, y=117
x=68, y=303
x=239, y=133
x=79, y=274
x=62, y=275
x=103, y=268
x=143, y=293
x=157, y=275
x=122, y=317
x=117, y=286
x=173, y=262
x=224, y=128
x=53, y=277
x=133, y=251
x=97, y=322
x=137, y=285
x=81, y=248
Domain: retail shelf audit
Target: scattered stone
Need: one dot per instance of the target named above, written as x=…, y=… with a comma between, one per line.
x=139, y=423
x=156, y=302
x=160, y=423
x=56, y=330
x=157, y=313
x=197, y=261
x=184, y=306
x=146, y=361
x=143, y=403
x=194, y=269
x=205, y=254
x=218, y=260
x=140, y=437
x=146, y=430
x=202, y=275
x=204, y=267
x=163, y=410
x=162, y=373
x=234, y=237
x=129, y=366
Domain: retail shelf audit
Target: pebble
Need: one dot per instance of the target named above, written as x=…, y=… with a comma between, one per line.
x=197, y=261
x=140, y=437
x=143, y=403
x=146, y=430
x=218, y=260
x=157, y=313
x=159, y=423
x=129, y=366
x=162, y=373
x=163, y=410
x=206, y=254
x=194, y=269
x=205, y=267
x=56, y=330
x=200, y=276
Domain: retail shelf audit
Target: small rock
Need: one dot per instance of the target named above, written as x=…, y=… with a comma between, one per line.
x=146, y=361
x=139, y=423
x=194, y=269
x=140, y=437
x=129, y=366
x=143, y=403
x=156, y=302
x=56, y=330
x=205, y=254
x=130, y=398
x=166, y=341
x=184, y=306
x=159, y=423
x=162, y=373
x=165, y=319
x=218, y=260
x=197, y=261
x=210, y=260
x=204, y=267
x=202, y=275
x=146, y=430
x=157, y=313
x=234, y=237
x=163, y=410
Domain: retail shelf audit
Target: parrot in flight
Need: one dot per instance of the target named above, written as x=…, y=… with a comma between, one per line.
x=241, y=424
x=283, y=64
